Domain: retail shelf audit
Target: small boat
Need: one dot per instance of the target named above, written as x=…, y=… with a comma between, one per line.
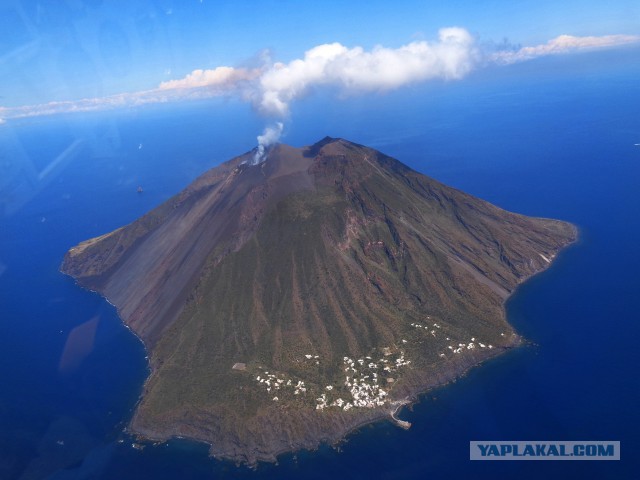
x=140, y=190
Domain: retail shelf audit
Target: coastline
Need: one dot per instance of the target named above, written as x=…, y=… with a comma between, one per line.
x=274, y=429
x=446, y=377
x=339, y=436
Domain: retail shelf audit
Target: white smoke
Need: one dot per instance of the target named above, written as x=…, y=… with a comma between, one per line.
x=221, y=78
x=272, y=87
x=270, y=135
x=356, y=70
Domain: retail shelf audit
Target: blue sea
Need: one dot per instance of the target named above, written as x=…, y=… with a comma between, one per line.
x=553, y=138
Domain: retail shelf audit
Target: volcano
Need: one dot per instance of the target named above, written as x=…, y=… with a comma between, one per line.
x=287, y=303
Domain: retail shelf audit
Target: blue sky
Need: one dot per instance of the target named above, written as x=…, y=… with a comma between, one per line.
x=70, y=50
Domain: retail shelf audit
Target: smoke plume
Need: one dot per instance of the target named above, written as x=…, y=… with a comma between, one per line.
x=270, y=135
x=355, y=70
x=272, y=87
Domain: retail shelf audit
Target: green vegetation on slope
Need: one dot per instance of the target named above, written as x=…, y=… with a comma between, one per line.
x=352, y=282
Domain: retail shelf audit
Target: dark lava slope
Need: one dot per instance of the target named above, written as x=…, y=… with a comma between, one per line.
x=286, y=303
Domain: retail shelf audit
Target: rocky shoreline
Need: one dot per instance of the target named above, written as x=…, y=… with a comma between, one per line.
x=286, y=304
x=340, y=428
x=412, y=395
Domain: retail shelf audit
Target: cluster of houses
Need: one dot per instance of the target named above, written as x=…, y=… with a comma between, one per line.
x=467, y=346
x=363, y=378
x=362, y=387
x=426, y=327
x=453, y=348
x=272, y=383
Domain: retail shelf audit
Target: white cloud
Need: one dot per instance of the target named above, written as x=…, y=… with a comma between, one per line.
x=273, y=87
x=357, y=70
x=220, y=77
x=198, y=84
x=563, y=44
x=87, y=104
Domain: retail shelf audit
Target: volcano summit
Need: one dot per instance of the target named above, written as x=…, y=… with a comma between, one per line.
x=286, y=303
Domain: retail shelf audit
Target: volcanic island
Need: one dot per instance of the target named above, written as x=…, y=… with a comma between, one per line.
x=286, y=302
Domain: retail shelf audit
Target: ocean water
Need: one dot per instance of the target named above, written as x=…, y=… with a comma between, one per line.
x=552, y=138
